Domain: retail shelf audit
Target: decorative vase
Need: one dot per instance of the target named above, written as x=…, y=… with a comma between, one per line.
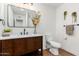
x=6, y=32
x=35, y=32
x=35, y=22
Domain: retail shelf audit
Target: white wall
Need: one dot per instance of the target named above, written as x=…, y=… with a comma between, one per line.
x=1, y=17
x=72, y=42
x=47, y=21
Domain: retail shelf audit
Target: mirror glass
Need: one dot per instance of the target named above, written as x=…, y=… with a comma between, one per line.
x=19, y=17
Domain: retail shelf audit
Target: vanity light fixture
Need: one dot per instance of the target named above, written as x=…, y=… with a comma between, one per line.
x=30, y=4
x=24, y=5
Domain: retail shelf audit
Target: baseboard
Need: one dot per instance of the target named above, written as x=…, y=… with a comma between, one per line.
x=67, y=52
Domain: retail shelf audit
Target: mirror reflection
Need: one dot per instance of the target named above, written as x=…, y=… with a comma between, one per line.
x=19, y=17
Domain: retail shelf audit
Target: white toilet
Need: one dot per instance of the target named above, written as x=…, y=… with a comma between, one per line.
x=52, y=45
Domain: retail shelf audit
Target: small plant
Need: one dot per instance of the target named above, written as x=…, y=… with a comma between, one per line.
x=7, y=30
x=74, y=16
x=65, y=14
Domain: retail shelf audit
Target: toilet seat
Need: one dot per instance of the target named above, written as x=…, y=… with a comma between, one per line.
x=54, y=44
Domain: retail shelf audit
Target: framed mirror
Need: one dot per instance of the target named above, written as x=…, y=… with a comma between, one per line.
x=19, y=17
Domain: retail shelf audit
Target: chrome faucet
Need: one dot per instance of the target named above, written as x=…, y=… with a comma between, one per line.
x=24, y=32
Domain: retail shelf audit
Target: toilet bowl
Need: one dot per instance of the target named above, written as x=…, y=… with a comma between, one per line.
x=52, y=45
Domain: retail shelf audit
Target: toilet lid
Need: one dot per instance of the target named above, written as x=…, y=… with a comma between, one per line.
x=54, y=44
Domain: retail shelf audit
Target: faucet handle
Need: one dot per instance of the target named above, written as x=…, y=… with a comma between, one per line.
x=24, y=29
x=26, y=32
x=21, y=33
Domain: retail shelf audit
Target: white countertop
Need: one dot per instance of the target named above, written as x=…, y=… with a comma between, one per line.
x=20, y=36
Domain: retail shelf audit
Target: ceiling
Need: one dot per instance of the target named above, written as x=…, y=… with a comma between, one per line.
x=54, y=4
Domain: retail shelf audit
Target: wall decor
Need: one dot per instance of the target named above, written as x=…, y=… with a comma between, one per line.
x=74, y=16
x=65, y=15
x=69, y=29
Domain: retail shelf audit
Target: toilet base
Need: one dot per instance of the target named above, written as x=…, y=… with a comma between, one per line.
x=54, y=51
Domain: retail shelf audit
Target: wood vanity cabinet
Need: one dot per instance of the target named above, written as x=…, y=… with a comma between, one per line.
x=20, y=46
x=0, y=47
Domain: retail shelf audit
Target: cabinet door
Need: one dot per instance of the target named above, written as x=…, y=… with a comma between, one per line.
x=7, y=52
x=29, y=45
x=38, y=42
x=7, y=47
x=0, y=47
x=33, y=43
x=19, y=46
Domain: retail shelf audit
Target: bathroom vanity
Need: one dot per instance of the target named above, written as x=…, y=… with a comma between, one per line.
x=23, y=43
x=20, y=45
